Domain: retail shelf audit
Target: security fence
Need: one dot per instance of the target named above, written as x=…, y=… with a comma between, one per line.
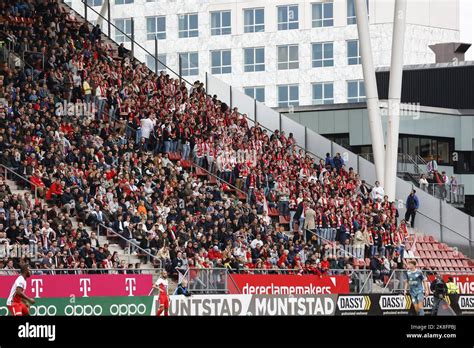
x=207, y=280
x=231, y=281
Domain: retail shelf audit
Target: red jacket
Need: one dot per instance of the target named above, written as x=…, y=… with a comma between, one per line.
x=56, y=189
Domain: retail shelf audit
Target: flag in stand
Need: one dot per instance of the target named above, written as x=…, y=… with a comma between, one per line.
x=413, y=246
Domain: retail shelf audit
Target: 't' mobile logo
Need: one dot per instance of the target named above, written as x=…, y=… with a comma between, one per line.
x=130, y=287
x=85, y=286
x=37, y=287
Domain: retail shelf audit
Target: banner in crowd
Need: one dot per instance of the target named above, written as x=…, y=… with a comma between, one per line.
x=243, y=305
x=281, y=284
x=81, y=285
x=90, y=306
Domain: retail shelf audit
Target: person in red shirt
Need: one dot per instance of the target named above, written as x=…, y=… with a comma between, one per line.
x=282, y=261
x=55, y=191
x=17, y=302
x=162, y=286
x=325, y=264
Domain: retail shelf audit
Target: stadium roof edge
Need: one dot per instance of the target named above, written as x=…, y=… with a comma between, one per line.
x=363, y=105
x=429, y=66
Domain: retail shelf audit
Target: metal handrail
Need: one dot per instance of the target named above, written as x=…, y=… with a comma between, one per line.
x=126, y=35
x=369, y=277
x=327, y=240
x=439, y=223
x=217, y=178
x=420, y=159
x=11, y=170
x=32, y=52
x=130, y=243
x=10, y=50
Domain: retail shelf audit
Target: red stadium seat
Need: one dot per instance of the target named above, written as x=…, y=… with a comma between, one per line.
x=186, y=164
x=273, y=212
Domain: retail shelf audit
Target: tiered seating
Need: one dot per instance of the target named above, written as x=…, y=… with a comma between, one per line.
x=433, y=255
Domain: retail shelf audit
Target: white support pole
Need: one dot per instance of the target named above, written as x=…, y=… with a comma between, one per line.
x=102, y=12
x=375, y=123
x=394, y=98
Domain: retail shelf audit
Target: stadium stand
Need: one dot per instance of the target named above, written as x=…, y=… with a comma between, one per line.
x=161, y=167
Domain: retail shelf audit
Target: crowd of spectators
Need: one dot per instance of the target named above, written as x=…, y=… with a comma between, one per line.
x=111, y=169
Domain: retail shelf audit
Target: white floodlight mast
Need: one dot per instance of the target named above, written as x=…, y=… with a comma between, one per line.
x=394, y=97
x=375, y=122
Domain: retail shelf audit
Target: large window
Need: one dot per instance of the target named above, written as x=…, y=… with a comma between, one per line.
x=156, y=27
x=220, y=23
x=288, y=17
x=353, y=54
x=123, y=2
x=439, y=148
x=355, y=91
x=94, y=2
x=323, y=93
x=188, y=25
x=254, y=59
x=150, y=62
x=254, y=20
x=323, y=14
x=351, y=13
x=288, y=95
x=323, y=54
x=124, y=25
x=221, y=62
x=189, y=63
x=464, y=165
x=257, y=93
x=288, y=57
